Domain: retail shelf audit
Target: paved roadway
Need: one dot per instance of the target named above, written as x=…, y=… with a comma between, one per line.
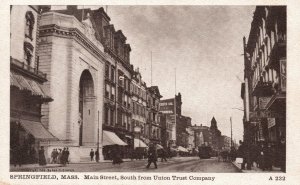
x=178, y=164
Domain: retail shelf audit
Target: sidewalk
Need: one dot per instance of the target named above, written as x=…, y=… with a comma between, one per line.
x=254, y=169
x=49, y=165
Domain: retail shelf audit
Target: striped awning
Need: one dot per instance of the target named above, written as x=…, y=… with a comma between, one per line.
x=37, y=130
x=139, y=143
x=110, y=138
x=24, y=83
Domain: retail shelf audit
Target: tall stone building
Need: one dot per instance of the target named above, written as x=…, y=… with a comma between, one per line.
x=27, y=86
x=74, y=60
x=89, y=65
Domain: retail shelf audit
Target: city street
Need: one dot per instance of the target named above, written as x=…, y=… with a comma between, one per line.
x=178, y=164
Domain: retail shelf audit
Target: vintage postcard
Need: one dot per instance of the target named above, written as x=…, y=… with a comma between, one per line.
x=158, y=92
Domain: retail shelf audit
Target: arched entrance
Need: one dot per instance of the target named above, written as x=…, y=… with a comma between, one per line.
x=86, y=109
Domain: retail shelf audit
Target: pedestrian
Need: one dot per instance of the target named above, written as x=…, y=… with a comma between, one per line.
x=232, y=154
x=163, y=155
x=42, y=159
x=241, y=154
x=53, y=160
x=56, y=155
x=67, y=155
x=92, y=153
x=115, y=154
x=282, y=154
x=268, y=157
x=17, y=156
x=97, y=155
x=152, y=156
x=59, y=157
x=63, y=157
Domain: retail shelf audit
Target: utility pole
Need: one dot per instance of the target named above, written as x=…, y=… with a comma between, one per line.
x=246, y=107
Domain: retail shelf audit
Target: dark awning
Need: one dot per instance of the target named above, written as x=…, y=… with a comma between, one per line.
x=37, y=130
x=24, y=83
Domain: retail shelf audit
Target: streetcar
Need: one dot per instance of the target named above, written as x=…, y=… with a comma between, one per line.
x=204, y=152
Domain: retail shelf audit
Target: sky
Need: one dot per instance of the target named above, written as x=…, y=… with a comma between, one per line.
x=203, y=43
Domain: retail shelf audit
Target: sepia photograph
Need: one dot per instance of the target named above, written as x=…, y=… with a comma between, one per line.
x=148, y=88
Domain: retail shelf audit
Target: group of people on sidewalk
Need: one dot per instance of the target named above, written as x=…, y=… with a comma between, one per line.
x=60, y=157
x=227, y=156
x=19, y=158
x=264, y=155
x=115, y=155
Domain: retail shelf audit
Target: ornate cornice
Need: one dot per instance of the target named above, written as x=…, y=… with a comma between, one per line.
x=72, y=33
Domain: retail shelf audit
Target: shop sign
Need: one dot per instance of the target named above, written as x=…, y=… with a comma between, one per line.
x=271, y=122
x=263, y=101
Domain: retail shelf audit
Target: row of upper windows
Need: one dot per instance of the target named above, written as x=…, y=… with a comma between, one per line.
x=28, y=47
x=262, y=51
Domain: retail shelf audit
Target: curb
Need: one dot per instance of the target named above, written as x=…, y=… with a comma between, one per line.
x=236, y=166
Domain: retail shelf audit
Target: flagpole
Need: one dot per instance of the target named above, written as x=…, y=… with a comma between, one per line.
x=175, y=107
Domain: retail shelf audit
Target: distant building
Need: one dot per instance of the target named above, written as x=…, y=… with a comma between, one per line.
x=181, y=133
x=216, y=134
x=139, y=106
x=225, y=142
x=153, y=119
x=166, y=130
x=202, y=135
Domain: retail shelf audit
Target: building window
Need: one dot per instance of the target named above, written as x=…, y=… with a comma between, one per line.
x=112, y=93
x=112, y=74
x=28, y=52
x=29, y=24
x=106, y=116
x=112, y=117
x=27, y=57
x=120, y=95
x=106, y=71
x=125, y=100
x=107, y=89
x=119, y=117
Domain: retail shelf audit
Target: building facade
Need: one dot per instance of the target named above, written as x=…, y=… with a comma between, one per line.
x=216, y=135
x=167, y=107
x=166, y=130
x=153, y=119
x=139, y=105
x=74, y=59
x=202, y=135
x=28, y=92
x=264, y=90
